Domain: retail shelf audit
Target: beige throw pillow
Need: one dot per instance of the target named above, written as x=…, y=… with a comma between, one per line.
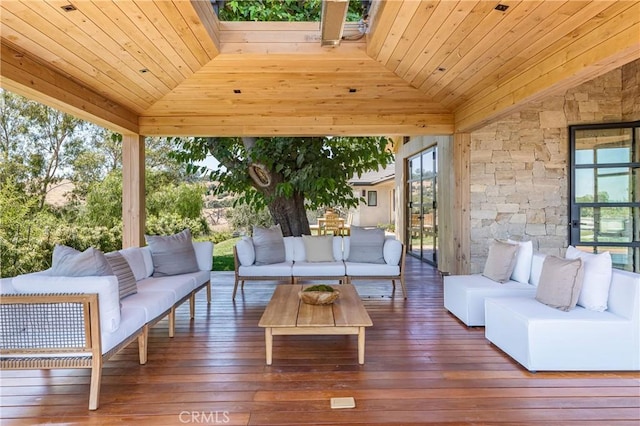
x=560, y=282
x=318, y=249
x=501, y=261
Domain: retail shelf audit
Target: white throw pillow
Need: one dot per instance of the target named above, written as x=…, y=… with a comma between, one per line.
x=245, y=251
x=135, y=258
x=522, y=271
x=392, y=252
x=597, y=278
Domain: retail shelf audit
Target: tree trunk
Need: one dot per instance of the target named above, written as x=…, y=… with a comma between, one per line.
x=291, y=214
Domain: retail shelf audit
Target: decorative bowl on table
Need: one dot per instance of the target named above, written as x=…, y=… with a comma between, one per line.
x=319, y=295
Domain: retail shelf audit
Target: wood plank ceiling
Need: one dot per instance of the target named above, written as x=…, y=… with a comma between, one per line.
x=424, y=67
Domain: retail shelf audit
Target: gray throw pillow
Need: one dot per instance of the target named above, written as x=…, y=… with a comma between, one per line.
x=172, y=254
x=69, y=262
x=501, y=261
x=366, y=245
x=560, y=282
x=268, y=244
x=122, y=270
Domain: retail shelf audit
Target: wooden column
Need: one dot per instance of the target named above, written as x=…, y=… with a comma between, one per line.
x=462, y=200
x=133, y=194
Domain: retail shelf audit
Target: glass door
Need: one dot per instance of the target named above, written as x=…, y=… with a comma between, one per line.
x=422, y=218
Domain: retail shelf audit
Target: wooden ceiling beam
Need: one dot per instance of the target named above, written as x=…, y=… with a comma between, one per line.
x=295, y=125
x=614, y=44
x=25, y=77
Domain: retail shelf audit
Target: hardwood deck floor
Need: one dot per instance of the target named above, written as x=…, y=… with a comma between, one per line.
x=422, y=367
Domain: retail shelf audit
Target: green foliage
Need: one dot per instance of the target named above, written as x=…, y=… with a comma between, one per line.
x=172, y=223
x=317, y=167
x=184, y=200
x=242, y=217
x=280, y=10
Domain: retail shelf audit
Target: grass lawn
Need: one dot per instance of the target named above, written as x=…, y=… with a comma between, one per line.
x=223, y=255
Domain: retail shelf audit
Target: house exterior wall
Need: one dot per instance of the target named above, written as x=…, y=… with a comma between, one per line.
x=519, y=165
x=382, y=213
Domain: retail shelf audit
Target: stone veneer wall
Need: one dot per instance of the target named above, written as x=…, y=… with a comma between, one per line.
x=519, y=164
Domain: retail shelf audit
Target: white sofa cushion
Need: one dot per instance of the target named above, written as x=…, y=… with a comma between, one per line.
x=358, y=269
x=179, y=285
x=204, y=254
x=545, y=339
x=295, y=249
x=392, y=251
x=318, y=269
x=6, y=286
x=597, y=278
x=522, y=270
x=274, y=270
x=105, y=286
x=135, y=258
x=464, y=295
x=148, y=261
x=245, y=251
x=154, y=303
x=131, y=320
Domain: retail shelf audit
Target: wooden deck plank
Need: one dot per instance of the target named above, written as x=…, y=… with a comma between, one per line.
x=422, y=366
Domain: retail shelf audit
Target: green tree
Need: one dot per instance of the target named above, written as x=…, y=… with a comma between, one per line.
x=37, y=143
x=281, y=10
x=289, y=174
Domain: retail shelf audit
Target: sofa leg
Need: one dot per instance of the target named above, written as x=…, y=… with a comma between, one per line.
x=235, y=289
x=94, y=387
x=209, y=292
x=142, y=345
x=404, y=288
x=172, y=321
x=192, y=305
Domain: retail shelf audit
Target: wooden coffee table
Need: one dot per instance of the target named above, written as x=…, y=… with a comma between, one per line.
x=286, y=314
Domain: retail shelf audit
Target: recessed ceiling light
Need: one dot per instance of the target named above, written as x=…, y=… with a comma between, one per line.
x=501, y=7
x=68, y=8
x=144, y=70
x=237, y=91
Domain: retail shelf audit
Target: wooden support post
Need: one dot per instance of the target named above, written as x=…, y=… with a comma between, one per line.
x=462, y=199
x=133, y=191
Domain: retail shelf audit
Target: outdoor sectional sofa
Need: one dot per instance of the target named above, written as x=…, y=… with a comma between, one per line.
x=296, y=265
x=544, y=338
x=81, y=321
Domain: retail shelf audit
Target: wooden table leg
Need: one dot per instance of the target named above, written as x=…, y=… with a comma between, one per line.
x=361, y=345
x=268, y=340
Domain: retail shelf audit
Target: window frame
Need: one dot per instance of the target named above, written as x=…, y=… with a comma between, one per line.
x=574, y=208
